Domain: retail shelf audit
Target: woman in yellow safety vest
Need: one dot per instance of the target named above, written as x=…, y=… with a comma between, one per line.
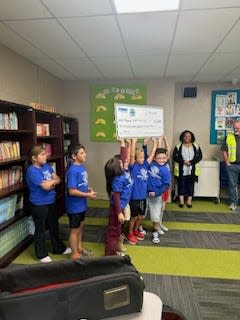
x=186, y=157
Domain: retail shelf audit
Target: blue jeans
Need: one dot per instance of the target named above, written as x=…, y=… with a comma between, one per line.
x=233, y=173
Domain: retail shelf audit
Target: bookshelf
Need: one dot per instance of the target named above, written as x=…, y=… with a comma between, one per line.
x=70, y=135
x=21, y=127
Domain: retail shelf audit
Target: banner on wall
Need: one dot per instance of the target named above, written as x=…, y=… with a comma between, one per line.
x=134, y=121
x=103, y=98
x=225, y=109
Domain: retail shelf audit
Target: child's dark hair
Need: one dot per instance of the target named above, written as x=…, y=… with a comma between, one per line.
x=112, y=169
x=160, y=150
x=181, y=137
x=35, y=150
x=75, y=148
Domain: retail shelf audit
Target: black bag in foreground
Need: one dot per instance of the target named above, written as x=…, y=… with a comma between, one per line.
x=88, y=288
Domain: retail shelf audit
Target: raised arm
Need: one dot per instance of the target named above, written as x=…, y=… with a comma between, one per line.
x=133, y=151
x=154, y=148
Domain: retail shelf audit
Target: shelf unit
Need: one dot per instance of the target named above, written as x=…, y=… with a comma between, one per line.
x=26, y=134
x=70, y=135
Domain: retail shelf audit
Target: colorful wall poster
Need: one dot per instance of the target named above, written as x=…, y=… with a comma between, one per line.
x=225, y=109
x=103, y=98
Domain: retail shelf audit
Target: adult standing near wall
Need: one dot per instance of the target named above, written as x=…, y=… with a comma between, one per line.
x=186, y=156
x=231, y=156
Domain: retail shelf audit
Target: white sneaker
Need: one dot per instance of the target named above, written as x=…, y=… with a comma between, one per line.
x=46, y=259
x=141, y=230
x=232, y=206
x=160, y=231
x=155, y=237
x=67, y=251
x=164, y=228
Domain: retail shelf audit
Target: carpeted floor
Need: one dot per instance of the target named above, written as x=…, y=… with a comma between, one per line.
x=195, y=268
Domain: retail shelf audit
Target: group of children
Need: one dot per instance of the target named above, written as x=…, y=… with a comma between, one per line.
x=135, y=182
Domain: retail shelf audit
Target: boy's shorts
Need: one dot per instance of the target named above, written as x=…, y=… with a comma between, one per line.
x=154, y=205
x=137, y=207
x=75, y=219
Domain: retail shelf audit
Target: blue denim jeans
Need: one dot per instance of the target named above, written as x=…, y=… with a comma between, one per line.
x=233, y=173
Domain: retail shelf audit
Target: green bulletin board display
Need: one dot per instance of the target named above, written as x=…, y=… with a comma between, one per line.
x=103, y=98
x=225, y=108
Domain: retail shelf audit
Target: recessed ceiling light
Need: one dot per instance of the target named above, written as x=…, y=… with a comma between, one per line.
x=131, y=6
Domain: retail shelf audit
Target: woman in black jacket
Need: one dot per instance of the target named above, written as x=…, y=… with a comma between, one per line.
x=186, y=156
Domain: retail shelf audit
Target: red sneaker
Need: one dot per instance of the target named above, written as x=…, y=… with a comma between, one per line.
x=131, y=238
x=138, y=235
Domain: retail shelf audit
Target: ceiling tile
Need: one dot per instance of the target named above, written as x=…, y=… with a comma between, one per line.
x=17, y=44
x=48, y=36
x=180, y=64
x=148, y=33
x=114, y=67
x=148, y=66
x=221, y=63
x=98, y=36
x=202, y=31
x=54, y=68
x=82, y=68
x=203, y=4
x=24, y=9
x=231, y=42
x=73, y=8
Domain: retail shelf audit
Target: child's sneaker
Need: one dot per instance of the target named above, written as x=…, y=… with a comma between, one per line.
x=122, y=248
x=67, y=251
x=46, y=259
x=121, y=254
x=164, y=228
x=160, y=231
x=75, y=256
x=141, y=230
x=155, y=237
x=131, y=238
x=138, y=235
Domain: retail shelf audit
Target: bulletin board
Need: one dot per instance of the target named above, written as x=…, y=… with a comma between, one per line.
x=103, y=98
x=134, y=121
x=225, y=109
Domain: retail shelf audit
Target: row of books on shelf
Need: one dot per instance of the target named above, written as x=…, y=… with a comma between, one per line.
x=42, y=129
x=66, y=127
x=48, y=148
x=10, y=176
x=66, y=144
x=12, y=236
x=8, y=121
x=9, y=149
x=9, y=206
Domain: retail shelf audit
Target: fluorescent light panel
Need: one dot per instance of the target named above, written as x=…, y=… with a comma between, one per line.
x=131, y=6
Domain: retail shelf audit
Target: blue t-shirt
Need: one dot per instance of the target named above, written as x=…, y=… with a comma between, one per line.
x=76, y=178
x=34, y=177
x=139, y=174
x=159, y=178
x=123, y=184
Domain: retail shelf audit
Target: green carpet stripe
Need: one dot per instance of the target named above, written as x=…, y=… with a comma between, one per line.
x=205, y=263
x=199, y=205
x=213, y=227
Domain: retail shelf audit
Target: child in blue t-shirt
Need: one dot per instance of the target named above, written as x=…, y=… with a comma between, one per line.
x=41, y=180
x=77, y=194
x=158, y=182
x=119, y=187
x=139, y=173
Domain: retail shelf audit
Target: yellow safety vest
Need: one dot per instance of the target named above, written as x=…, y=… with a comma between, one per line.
x=176, y=164
x=232, y=147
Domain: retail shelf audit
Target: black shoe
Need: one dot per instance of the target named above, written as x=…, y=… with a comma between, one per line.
x=189, y=205
x=181, y=205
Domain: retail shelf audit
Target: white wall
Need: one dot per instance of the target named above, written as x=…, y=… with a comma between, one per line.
x=23, y=82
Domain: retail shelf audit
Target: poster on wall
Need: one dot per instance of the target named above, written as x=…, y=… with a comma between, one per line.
x=225, y=109
x=134, y=121
x=103, y=98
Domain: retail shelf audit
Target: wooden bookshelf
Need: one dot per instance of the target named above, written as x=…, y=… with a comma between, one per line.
x=25, y=133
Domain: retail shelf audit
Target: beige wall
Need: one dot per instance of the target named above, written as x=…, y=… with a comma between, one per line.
x=23, y=82
x=77, y=101
x=194, y=114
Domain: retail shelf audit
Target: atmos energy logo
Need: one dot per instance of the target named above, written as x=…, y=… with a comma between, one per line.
x=132, y=112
